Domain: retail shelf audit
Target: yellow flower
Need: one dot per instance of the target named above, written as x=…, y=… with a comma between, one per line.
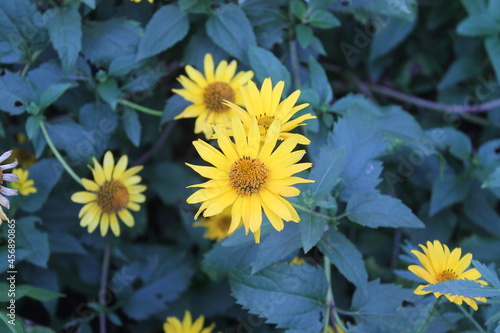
x=24, y=185
x=113, y=192
x=250, y=177
x=217, y=226
x=296, y=261
x=174, y=325
x=208, y=92
x=265, y=105
x=440, y=265
x=7, y=177
x=150, y=1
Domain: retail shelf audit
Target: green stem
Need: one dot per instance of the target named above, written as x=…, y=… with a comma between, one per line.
x=434, y=308
x=292, y=44
x=140, y=108
x=102, y=289
x=329, y=295
x=312, y=212
x=58, y=155
x=471, y=319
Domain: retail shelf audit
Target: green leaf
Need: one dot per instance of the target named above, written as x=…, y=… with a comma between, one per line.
x=25, y=290
x=123, y=65
x=448, y=190
x=132, y=126
x=232, y=31
x=305, y=35
x=109, y=92
x=65, y=243
x=311, y=229
x=164, y=276
x=99, y=122
x=167, y=26
x=265, y=64
x=6, y=326
x=174, y=106
x=52, y=94
x=21, y=32
x=474, y=7
x=277, y=246
x=493, y=179
x=378, y=210
x=33, y=125
x=323, y=19
x=487, y=274
x=492, y=45
x=299, y=9
x=171, y=185
x=292, y=297
x=65, y=29
x=45, y=173
x=327, y=170
x=467, y=288
x=479, y=207
x=319, y=4
x=345, y=256
x=462, y=69
x=16, y=92
x=479, y=25
x=90, y=3
x=390, y=36
x=319, y=81
x=29, y=237
x=458, y=143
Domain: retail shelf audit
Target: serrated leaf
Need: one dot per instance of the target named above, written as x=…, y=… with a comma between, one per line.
x=467, y=288
x=323, y=19
x=132, y=126
x=232, y=31
x=296, y=302
x=167, y=26
x=345, y=256
x=29, y=237
x=378, y=210
x=479, y=25
x=492, y=46
x=65, y=29
x=448, y=190
x=487, y=274
x=265, y=64
x=98, y=122
x=52, y=94
x=327, y=170
x=311, y=229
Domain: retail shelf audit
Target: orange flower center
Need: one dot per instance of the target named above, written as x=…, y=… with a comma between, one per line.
x=216, y=93
x=112, y=197
x=248, y=175
x=447, y=275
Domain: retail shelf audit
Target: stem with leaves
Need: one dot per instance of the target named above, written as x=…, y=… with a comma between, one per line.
x=140, y=108
x=329, y=296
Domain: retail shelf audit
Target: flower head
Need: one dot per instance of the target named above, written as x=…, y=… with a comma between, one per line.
x=150, y=1
x=174, y=325
x=24, y=185
x=440, y=265
x=266, y=106
x=8, y=177
x=110, y=195
x=217, y=226
x=250, y=177
x=207, y=93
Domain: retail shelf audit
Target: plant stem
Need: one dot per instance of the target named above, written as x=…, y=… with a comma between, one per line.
x=329, y=295
x=58, y=155
x=471, y=319
x=140, y=108
x=292, y=44
x=312, y=212
x=434, y=308
x=102, y=289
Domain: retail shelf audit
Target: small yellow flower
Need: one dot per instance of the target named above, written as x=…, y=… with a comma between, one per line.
x=440, y=265
x=216, y=227
x=150, y=1
x=207, y=93
x=110, y=195
x=174, y=325
x=265, y=105
x=296, y=261
x=24, y=185
x=249, y=177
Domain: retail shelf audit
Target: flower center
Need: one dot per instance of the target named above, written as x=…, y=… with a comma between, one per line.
x=112, y=197
x=447, y=275
x=217, y=92
x=248, y=175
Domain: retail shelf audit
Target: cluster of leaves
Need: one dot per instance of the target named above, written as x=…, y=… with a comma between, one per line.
x=79, y=71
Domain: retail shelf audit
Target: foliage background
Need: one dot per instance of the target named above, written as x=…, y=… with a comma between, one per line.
x=407, y=136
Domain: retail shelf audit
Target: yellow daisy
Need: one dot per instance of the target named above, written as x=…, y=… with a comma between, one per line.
x=266, y=106
x=110, y=195
x=440, y=265
x=24, y=185
x=250, y=177
x=174, y=325
x=216, y=227
x=207, y=93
